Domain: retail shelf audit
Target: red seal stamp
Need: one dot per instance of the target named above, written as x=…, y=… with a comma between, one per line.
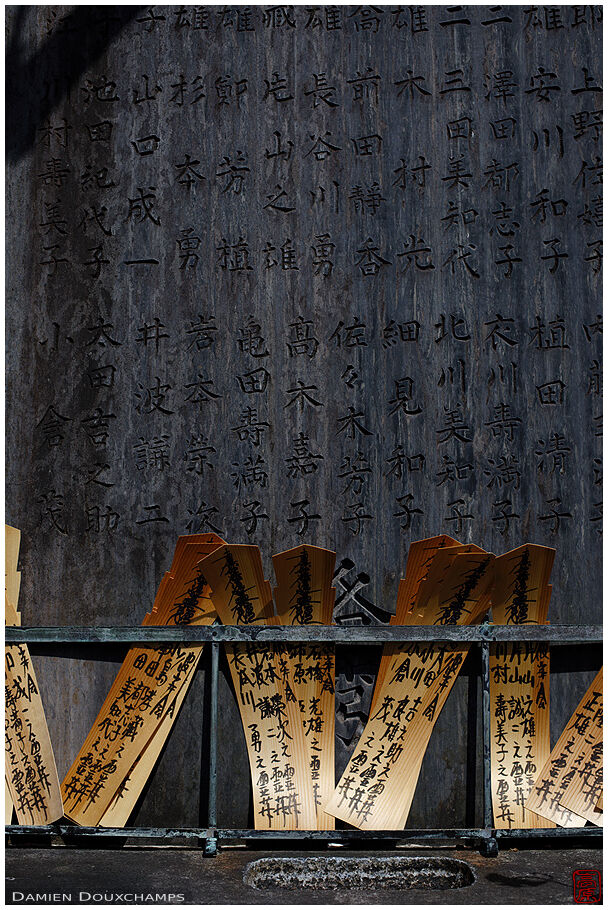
x=587, y=886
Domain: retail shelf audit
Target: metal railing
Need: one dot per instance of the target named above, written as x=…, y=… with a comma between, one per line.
x=485, y=838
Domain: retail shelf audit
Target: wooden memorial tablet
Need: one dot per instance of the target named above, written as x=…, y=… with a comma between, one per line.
x=108, y=774
x=283, y=794
x=419, y=558
x=119, y=810
x=304, y=595
x=571, y=780
x=12, y=578
x=519, y=686
x=30, y=770
x=31, y=780
x=377, y=787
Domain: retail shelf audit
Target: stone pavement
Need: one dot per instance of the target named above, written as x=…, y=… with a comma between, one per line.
x=169, y=875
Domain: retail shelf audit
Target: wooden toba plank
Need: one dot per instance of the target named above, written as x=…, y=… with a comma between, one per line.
x=283, y=794
x=570, y=781
x=304, y=595
x=377, y=787
x=144, y=698
x=31, y=780
x=519, y=686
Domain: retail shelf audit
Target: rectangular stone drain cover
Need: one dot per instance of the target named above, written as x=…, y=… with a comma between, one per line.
x=368, y=873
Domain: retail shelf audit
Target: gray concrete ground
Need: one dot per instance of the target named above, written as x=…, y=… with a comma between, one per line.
x=187, y=877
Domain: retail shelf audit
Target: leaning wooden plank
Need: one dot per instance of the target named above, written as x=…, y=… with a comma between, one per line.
x=377, y=787
x=571, y=779
x=31, y=781
x=437, y=613
x=11, y=618
x=519, y=686
x=162, y=671
x=283, y=796
x=146, y=692
x=12, y=583
x=419, y=560
x=118, y=812
x=129, y=790
x=30, y=772
x=304, y=595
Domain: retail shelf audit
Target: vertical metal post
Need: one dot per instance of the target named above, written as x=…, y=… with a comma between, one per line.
x=212, y=816
x=490, y=846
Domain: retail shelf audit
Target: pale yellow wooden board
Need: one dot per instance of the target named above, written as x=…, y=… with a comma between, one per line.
x=519, y=686
x=11, y=616
x=146, y=692
x=571, y=779
x=304, y=595
x=30, y=768
x=520, y=586
x=279, y=760
x=118, y=812
x=12, y=582
x=519, y=729
x=31, y=781
x=377, y=787
x=420, y=559
x=12, y=540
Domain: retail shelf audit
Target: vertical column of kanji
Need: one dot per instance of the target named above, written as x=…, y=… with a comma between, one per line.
x=419, y=558
x=570, y=783
x=31, y=781
x=378, y=785
x=519, y=685
x=421, y=553
x=283, y=797
x=112, y=766
x=172, y=606
x=304, y=595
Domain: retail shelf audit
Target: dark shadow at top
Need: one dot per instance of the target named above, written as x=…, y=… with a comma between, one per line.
x=36, y=85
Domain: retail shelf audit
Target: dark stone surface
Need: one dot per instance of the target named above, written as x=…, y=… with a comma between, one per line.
x=365, y=873
x=116, y=396
x=514, y=877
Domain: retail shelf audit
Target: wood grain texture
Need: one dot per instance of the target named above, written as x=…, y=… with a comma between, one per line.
x=30, y=771
x=377, y=788
x=31, y=783
x=12, y=583
x=304, y=594
x=279, y=755
x=12, y=537
x=107, y=775
x=519, y=686
x=570, y=781
x=102, y=481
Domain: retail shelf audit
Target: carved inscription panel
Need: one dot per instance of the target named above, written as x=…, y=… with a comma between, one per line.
x=301, y=274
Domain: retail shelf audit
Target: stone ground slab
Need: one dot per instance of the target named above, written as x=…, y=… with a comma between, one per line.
x=187, y=877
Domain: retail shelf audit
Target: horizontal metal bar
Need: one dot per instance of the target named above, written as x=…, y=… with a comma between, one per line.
x=60, y=830
x=409, y=835
x=346, y=836
x=516, y=833
x=359, y=635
